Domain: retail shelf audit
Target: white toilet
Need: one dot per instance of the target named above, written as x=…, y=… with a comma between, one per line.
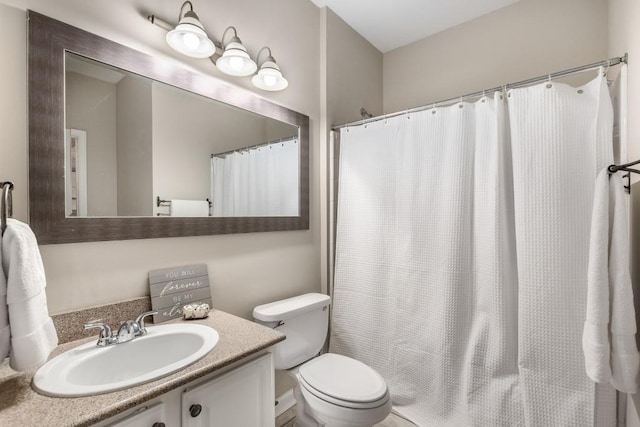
x=332, y=390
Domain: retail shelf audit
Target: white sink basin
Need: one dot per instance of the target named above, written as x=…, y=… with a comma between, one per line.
x=87, y=370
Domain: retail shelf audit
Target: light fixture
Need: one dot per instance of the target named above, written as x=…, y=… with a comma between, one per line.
x=235, y=60
x=188, y=37
x=269, y=76
x=232, y=58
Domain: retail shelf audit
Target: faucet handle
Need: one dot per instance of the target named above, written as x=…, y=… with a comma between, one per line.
x=106, y=336
x=127, y=331
x=140, y=321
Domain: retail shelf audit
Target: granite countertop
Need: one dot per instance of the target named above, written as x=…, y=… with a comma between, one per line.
x=20, y=405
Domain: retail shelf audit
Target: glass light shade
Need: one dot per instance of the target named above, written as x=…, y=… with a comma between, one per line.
x=235, y=60
x=189, y=38
x=270, y=77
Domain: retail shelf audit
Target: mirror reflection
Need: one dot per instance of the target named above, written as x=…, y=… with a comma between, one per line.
x=138, y=147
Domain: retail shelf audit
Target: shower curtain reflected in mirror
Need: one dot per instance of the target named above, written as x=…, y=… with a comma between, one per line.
x=260, y=181
x=461, y=256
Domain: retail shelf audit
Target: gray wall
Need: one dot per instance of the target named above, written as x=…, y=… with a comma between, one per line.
x=526, y=39
x=246, y=269
x=91, y=106
x=332, y=72
x=351, y=78
x=135, y=179
x=187, y=129
x=354, y=72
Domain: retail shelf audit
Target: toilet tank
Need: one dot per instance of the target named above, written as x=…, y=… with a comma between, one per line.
x=304, y=319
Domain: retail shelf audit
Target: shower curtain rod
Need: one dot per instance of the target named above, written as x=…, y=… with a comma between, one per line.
x=607, y=62
x=253, y=147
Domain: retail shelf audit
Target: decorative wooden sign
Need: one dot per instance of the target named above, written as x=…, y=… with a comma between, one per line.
x=173, y=288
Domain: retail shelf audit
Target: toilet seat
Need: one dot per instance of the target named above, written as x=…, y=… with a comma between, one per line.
x=343, y=381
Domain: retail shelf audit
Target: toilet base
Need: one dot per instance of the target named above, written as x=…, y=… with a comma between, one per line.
x=303, y=419
x=314, y=412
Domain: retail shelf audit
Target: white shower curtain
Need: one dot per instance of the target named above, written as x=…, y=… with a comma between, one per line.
x=256, y=182
x=461, y=252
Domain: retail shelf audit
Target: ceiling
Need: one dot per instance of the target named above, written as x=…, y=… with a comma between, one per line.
x=389, y=24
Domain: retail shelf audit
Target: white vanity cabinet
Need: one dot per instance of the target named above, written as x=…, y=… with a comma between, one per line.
x=239, y=397
x=243, y=397
x=148, y=416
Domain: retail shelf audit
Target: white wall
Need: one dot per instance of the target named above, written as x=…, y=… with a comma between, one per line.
x=245, y=269
x=524, y=40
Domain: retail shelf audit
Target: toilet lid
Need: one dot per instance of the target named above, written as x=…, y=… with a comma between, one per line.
x=343, y=378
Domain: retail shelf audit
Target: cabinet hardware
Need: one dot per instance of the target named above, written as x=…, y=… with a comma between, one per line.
x=195, y=410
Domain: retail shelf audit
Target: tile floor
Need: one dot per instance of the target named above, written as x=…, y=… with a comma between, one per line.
x=287, y=419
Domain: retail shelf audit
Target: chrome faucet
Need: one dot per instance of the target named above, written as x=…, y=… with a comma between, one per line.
x=140, y=321
x=127, y=331
x=106, y=336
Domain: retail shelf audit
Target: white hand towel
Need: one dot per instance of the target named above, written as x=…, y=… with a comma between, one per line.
x=610, y=310
x=5, y=334
x=595, y=335
x=33, y=335
x=189, y=208
x=625, y=359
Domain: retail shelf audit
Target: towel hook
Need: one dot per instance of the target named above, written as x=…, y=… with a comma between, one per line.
x=6, y=210
x=625, y=168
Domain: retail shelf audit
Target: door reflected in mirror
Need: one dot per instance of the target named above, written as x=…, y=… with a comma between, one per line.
x=141, y=148
x=75, y=156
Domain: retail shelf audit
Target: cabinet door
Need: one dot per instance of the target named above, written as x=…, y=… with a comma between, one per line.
x=153, y=416
x=243, y=397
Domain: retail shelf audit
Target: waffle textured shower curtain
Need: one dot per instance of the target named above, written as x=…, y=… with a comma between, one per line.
x=260, y=181
x=461, y=256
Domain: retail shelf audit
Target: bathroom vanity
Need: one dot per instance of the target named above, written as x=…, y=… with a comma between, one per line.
x=232, y=384
x=241, y=396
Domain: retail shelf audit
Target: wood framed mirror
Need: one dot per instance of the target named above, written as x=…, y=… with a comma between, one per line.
x=56, y=49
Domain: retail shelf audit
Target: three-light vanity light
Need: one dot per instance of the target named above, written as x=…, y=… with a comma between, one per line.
x=189, y=38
